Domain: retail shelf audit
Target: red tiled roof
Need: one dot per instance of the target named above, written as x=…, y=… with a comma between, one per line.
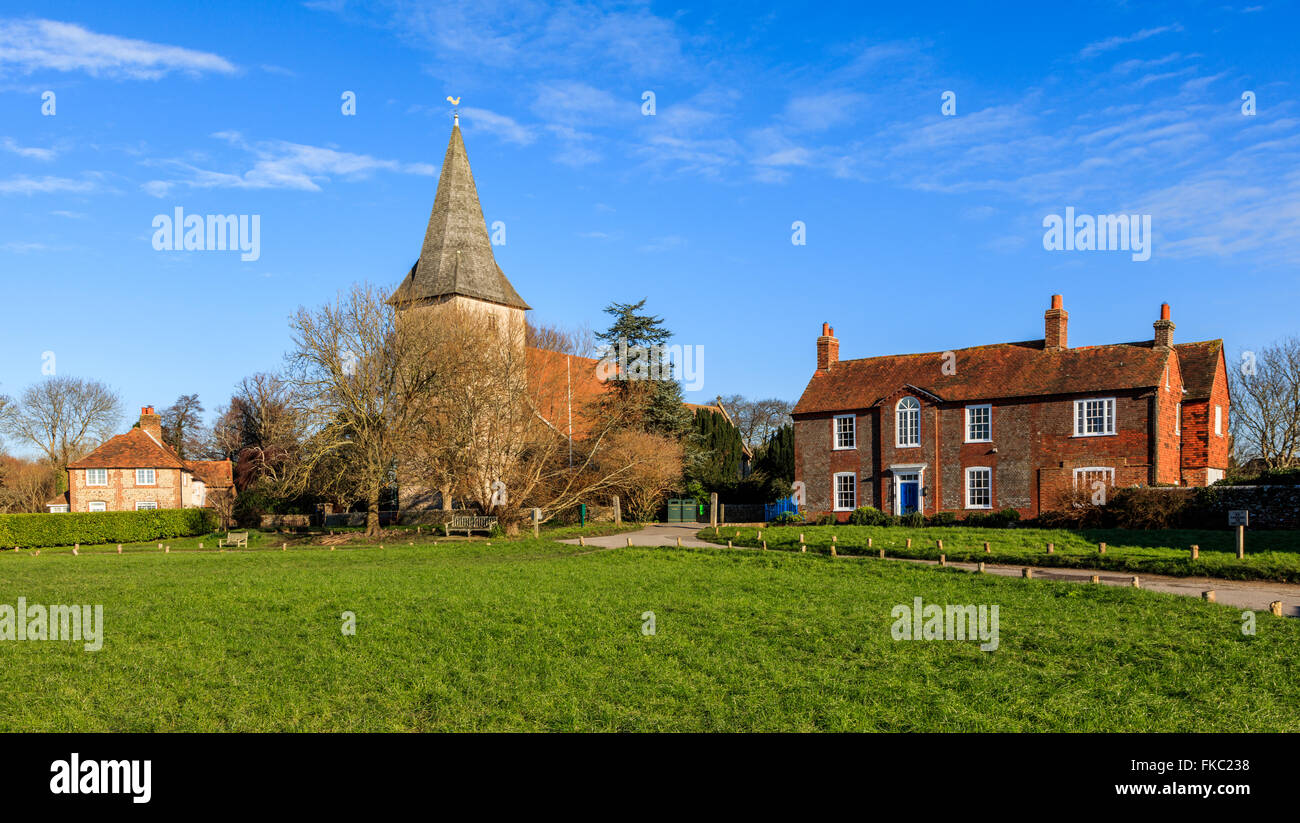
x=555, y=378
x=1199, y=362
x=133, y=450
x=986, y=372
x=215, y=474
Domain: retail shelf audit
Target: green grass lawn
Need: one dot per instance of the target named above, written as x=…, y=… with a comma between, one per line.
x=537, y=635
x=1270, y=555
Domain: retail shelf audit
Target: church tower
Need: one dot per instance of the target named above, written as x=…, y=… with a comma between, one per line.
x=456, y=267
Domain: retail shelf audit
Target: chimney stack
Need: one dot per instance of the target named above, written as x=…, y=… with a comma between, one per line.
x=828, y=348
x=1164, y=329
x=151, y=423
x=1057, y=319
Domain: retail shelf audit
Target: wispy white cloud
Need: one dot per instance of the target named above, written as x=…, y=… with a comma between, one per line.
x=10, y=145
x=27, y=46
x=498, y=125
x=23, y=184
x=1112, y=43
x=279, y=164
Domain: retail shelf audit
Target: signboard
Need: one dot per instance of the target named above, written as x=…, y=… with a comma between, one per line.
x=1239, y=517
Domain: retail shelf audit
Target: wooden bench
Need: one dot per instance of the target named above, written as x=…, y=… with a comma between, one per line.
x=470, y=523
x=239, y=539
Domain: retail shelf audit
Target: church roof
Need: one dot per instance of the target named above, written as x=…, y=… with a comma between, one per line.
x=457, y=254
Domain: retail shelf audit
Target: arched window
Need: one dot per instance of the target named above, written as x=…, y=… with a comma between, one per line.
x=908, y=430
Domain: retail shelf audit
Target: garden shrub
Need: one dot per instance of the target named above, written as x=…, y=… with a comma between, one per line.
x=942, y=519
x=870, y=516
x=38, y=530
x=915, y=520
x=786, y=519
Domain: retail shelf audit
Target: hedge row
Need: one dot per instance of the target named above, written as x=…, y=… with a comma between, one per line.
x=37, y=530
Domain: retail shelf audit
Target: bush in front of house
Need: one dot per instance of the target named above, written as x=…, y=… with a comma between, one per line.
x=39, y=530
x=870, y=516
x=786, y=519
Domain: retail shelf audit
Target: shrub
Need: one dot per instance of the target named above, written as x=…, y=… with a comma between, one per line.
x=942, y=519
x=1008, y=517
x=915, y=520
x=1146, y=507
x=825, y=520
x=786, y=519
x=870, y=516
x=37, y=530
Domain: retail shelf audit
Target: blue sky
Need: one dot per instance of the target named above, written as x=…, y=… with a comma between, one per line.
x=924, y=231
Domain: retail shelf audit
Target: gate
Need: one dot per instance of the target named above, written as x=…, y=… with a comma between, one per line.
x=683, y=510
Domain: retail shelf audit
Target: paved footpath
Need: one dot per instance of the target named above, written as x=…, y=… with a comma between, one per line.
x=1244, y=594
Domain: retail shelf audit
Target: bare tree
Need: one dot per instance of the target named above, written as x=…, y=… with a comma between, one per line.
x=65, y=417
x=1265, y=388
x=262, y=430
x=358, y=383
x=757, y=420
x=182, y=426
x=549, y=337
x=25, y=485
x=483, y=434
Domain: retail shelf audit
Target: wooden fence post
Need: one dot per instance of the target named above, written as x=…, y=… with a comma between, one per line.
x=1196, y=552
x=1027, y=572
x=713, y=510
x=1241, y=542
x=618, y=511
x=1101, y=548
x=1208, y=596
x=1051, y=548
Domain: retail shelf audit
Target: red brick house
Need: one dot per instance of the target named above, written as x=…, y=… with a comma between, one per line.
x=1009, y=425
x=137, y=470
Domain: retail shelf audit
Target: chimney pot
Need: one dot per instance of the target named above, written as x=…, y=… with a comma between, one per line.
x=1056, y=301
x=1164, y=328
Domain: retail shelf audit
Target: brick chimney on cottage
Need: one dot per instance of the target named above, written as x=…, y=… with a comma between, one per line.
x=1056, y=319
x=151, y=423
x=828, y=348
x=1164, y=329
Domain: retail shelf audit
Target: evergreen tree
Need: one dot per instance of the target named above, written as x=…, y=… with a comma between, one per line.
x=777, y=457
x=715, y=450
x=644, y=382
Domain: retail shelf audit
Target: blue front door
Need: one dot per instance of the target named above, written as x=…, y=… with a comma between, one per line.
x=910, y=491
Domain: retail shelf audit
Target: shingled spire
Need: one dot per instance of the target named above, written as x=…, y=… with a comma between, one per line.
x=456, y=258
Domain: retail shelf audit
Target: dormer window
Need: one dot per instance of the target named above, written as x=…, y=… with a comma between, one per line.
x=908, y=430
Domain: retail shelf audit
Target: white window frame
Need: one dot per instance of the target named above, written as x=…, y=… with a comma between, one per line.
x=899, y=427
x=1084, y=471
x=989, y=408
x=90, y=482
x=90, y=507
x=1218, y=421
x=145, y=505
x=835, y=491
x=971, y=470
x=852, y=432
x=59, y=508
x=1080, y=423
x=1178, y=419
x=153, y=477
